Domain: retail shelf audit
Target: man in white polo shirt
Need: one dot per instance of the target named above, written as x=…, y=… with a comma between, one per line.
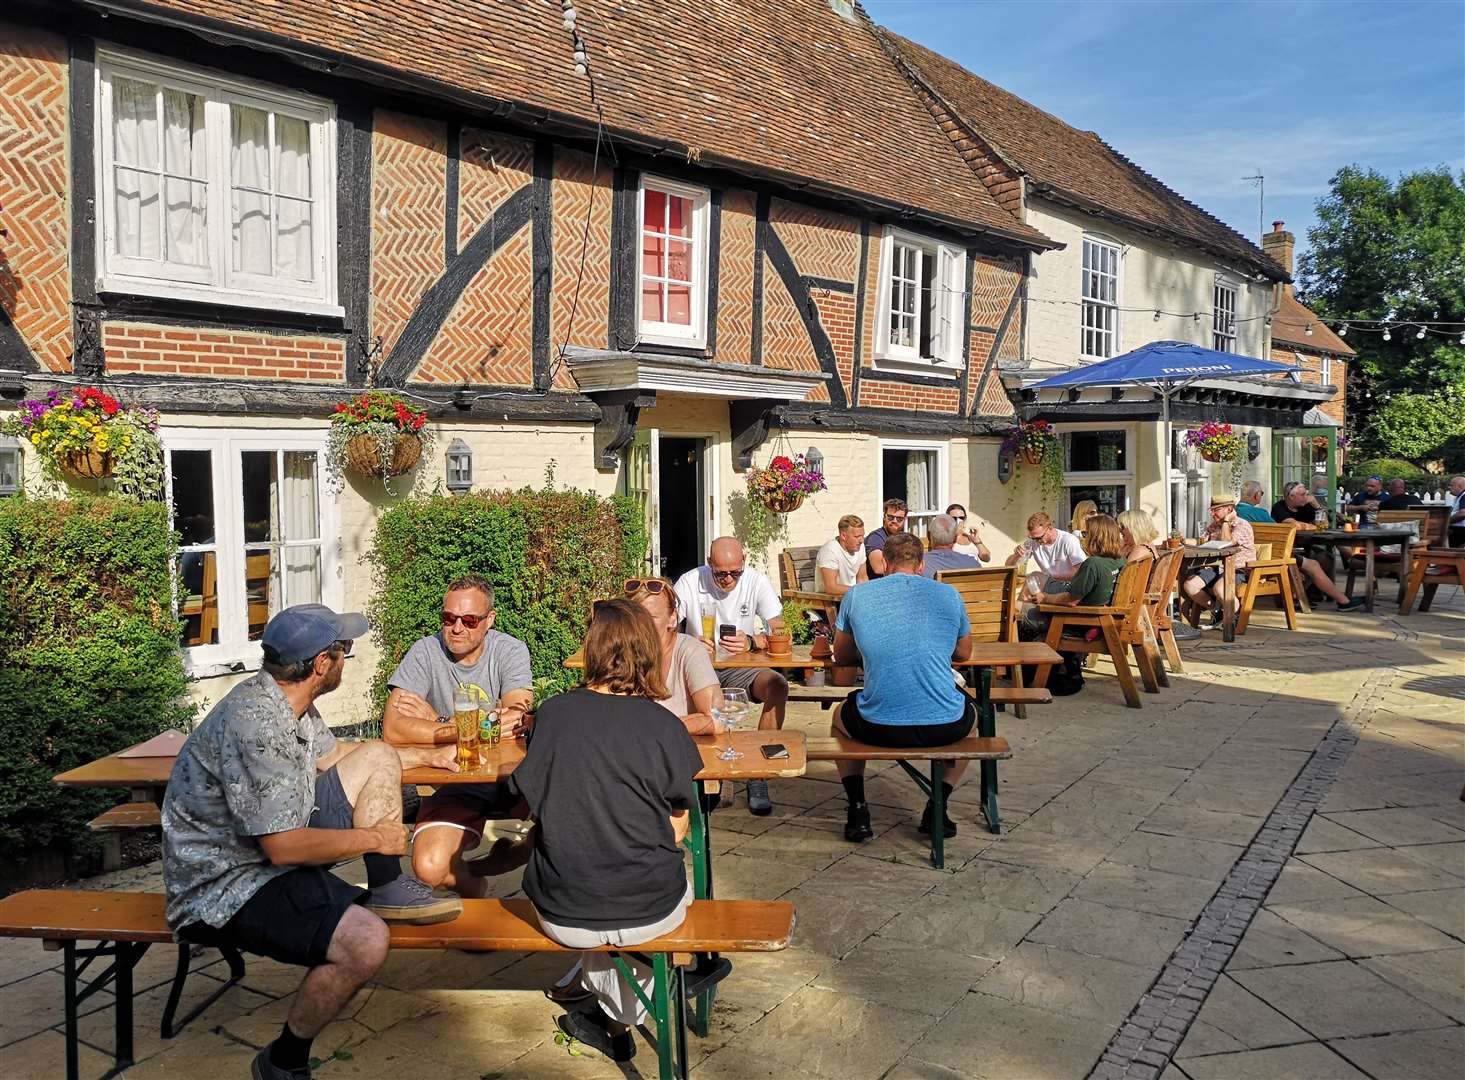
x=735, y=598
x=1054, y=556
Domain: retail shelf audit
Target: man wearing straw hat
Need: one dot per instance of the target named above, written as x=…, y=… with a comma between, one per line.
x=1204, y=588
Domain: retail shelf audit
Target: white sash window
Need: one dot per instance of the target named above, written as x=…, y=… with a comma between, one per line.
x=922, y=302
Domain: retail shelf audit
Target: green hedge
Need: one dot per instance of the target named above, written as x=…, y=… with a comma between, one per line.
x=91, y=659
x=548, y=552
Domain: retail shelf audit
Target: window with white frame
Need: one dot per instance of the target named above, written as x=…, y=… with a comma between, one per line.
x=672, y=273
x=1327, y=373
x=916, y=473
x=1099, y=316
x=1223, y=316
x=922, y=301
x=258, y=533
x=10, y=466
x=213, y=188
x=1097, y=465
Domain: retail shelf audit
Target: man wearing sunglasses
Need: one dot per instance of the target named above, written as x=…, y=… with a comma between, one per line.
x=892, y=519
x=737, y=598
x=494, y=667
x=1054, y=554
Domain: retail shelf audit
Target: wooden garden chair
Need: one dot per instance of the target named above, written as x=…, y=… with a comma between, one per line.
x=990, y=594
x=1270, y=576
x=799, y=581
x=1159, y=626
x=1432, y=568
x=1121, y=626
x=1391, y=563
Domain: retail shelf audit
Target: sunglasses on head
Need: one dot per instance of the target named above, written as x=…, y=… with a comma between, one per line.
x=958, y=517
x=469, y=622
x=652, y=585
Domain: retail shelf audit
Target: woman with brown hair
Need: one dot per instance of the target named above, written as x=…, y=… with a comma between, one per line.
x=608, y=778
x=1092, y=585
x=693, y=691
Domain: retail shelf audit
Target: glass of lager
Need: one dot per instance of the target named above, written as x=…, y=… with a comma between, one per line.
x=465, y=719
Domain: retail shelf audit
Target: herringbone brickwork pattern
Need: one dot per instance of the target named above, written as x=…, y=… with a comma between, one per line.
x=735, y=277
x=133, y=348
x=821, y=244
x=407, y=211
x=995, y=281
x=35, y=273
x=837, y=316
x=785, y=341
x=490, y=168
x=571, y=199
x=489, y=336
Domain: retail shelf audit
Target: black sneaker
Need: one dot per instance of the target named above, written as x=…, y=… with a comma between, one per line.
x=1355, y=604
x=924, y=828
x=758, y=801
x=262, y=1068
x=705, y=974
x=593, y=1030
x=857, y=823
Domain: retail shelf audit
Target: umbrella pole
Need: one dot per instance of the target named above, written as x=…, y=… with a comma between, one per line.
x=1169, y=456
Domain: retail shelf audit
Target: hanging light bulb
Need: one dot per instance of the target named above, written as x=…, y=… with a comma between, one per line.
x=1307, y=329
x=1343, y=330
x=1462, y=337
x=1419, y=336
x=1388, y=336
x=1157, y=316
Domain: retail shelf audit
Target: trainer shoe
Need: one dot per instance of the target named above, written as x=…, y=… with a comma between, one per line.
x=262, y=1068
x=1355, y=604
x=857, y=823
x=592, y=1029
x=758, y=801
x=924, y=828
x=407, y=900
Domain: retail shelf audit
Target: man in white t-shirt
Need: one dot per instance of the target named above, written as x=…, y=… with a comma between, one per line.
x=1054, y=555
x=734, y=598
x=841, y=561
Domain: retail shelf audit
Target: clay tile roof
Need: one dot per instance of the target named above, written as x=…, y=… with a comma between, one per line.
x=1290, y=325
x=1077, y=165
x=785, y=89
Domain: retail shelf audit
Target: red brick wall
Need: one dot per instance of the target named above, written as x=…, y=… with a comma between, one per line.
x=171, y=350
x=786, y=343
x=735, y=277
x=489, y=336
x=995, y=281
x=837, y=316
x=891, y=395
x=1312, y=372
x=35, y=272
x=408, y=184
x=571, y=198
x=490, y=169
x=821, y=244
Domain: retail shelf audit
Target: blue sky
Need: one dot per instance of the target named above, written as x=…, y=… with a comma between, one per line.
x=1202, y=94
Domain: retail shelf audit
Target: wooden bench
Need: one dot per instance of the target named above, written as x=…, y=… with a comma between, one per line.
x=122, y=925
x=124, y=817
x=971, y=748
x=799, y=581
x=828, y=696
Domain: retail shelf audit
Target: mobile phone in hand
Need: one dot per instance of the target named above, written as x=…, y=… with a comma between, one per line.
x=774, y=752
x=727, y=630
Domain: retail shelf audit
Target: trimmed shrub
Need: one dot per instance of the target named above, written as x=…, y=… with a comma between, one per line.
x=92, y=663
x=548, y=552
x=1384, y=467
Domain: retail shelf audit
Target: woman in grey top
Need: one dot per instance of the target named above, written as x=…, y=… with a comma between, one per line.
x=690, y=678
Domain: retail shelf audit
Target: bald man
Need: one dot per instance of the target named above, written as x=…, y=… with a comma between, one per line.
x=735, y=598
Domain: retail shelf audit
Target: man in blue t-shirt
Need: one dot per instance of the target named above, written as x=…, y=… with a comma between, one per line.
x=906, y=630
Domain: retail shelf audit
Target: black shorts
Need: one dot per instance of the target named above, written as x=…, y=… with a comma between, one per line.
x=1209, y=575
x=293, y=917
x=906, y=735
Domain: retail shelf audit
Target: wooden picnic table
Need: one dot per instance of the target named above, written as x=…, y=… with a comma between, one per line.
x=1194, y=556
x=1369, y=539
x=726, y=661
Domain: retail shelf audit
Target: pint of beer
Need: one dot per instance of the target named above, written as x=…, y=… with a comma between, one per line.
x=465, y=719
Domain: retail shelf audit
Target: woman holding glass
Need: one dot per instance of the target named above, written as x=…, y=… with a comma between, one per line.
x=609, y=780
x=693, y=692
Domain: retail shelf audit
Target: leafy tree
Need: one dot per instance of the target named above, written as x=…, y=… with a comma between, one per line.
x=1418, y=425
x=1391, y=250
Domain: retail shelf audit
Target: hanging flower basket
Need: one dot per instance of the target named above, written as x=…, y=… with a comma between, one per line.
x=1037, y=445
x=1218, y=442
x=364, y=455
x=1031, y=457
x=784, y=482
x=374, y=434
x=1212, y=454
x=87, y=464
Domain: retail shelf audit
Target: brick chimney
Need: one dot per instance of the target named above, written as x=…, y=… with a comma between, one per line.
x=1278, y=245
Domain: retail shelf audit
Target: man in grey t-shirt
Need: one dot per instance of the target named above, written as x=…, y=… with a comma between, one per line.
x=495, y=669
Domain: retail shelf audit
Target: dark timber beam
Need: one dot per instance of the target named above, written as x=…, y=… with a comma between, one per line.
x=616, y=428
x=783, y=265
x=750, y=420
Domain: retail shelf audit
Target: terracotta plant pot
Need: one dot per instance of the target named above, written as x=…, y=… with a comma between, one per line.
x=87, y=465
x=780, y=644
x=362, y=455
x=782, y=503
x=842, y=676
x=821, y=649
x=1174, y=542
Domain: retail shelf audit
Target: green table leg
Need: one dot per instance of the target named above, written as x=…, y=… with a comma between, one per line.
x=699, y=841
x=661, y=992
x=987, y=729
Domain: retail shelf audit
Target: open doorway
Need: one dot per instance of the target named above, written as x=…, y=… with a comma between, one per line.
x=681, y=502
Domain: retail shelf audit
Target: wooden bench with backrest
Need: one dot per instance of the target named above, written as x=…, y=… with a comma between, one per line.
x=1121, y=625
x=1159, y=623
x=991, y=595
x=86, y=925
x=972, y=748
x=798, y=580
x=1270, y=576
x=1391, y=563
x=1431, y=568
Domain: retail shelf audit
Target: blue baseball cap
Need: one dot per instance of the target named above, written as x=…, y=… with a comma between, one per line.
x=305, y=631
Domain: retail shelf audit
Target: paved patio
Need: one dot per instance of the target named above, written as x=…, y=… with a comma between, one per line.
x=1126, y=923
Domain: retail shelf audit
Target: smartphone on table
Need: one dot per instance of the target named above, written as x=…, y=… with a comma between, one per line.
x=774, y=751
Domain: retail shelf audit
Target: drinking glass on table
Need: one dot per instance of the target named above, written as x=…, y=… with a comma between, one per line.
x=709, y=621
x=734, y=713
x=466, y=720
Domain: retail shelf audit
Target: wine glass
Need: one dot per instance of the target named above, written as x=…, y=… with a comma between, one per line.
x=734, y=711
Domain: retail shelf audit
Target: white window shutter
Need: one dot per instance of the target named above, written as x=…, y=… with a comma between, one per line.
x=882, y=306
x=953, y=310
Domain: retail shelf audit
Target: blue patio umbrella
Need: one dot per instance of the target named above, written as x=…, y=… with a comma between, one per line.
x=1165, y=367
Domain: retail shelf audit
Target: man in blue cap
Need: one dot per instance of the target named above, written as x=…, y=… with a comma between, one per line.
x=263, y=799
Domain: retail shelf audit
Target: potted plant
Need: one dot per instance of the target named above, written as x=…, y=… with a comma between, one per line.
x=85, y=434
x=1219, y=442
x=1177, y=538
x=783, y=483
x=1034, y=442
x=376, y=433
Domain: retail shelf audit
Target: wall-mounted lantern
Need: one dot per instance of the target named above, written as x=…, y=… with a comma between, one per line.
x=460, y=467
x=1253, y=445
x=1004, y=467
x=815, y=459
x=9, y=466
